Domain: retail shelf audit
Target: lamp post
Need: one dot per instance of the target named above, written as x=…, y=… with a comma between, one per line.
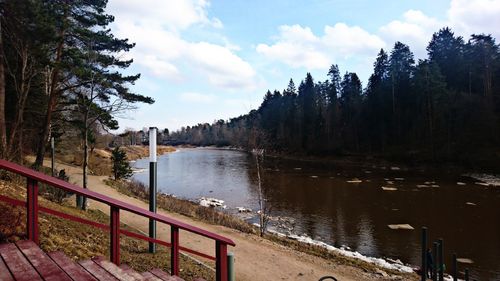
x=152, y=185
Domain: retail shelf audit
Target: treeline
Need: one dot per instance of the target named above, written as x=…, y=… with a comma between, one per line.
x=60, y=75
x=443, y=108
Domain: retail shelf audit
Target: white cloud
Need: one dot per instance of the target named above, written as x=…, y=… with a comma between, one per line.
x=223, y=68
x=415, y=29
x=170, y=14
x=192, y=97
x=162, y=52
x=298, y=46
x=351, y=41
x=475, y=16
x=465, y=17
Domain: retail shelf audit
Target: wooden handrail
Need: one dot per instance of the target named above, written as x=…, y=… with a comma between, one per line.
x=33, y=177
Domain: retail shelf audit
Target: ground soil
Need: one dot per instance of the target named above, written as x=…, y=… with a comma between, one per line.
x=255, y=258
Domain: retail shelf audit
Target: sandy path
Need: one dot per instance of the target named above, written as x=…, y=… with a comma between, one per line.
x=255, y=258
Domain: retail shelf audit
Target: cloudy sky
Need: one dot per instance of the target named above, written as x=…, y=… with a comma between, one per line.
x=204, y=60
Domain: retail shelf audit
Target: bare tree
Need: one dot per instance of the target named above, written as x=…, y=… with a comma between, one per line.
x=264, y=209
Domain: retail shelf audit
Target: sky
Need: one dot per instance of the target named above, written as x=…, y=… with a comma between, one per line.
x=207, y=60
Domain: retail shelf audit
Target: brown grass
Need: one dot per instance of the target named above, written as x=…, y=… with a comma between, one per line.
x=100, y=159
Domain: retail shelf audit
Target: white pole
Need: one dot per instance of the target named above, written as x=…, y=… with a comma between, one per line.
x=152, y=185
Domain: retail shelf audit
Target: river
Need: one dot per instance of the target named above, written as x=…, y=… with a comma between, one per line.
x=325, y=206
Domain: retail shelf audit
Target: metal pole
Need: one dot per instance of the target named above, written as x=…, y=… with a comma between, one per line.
x=152, y=185
x=230, y=267
x=424, y=253
x=455, y=268
x=441, y=262
x=52, y=154
x=435, y=262
x=466, y=274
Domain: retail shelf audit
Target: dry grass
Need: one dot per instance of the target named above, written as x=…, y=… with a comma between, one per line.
x=80, y=241
x=180, y=206
x=135, y=152
x=100, y=159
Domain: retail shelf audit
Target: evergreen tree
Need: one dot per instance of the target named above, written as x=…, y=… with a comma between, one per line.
x=121, y=167
x=350, y=104
x=447, y=52
x=378, y=104
x=401, y=64
x=85, y=63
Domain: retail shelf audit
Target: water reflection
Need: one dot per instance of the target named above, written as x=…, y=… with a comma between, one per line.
x=328, y=208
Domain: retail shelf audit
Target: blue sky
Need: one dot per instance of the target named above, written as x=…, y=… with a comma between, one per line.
x=205, y=60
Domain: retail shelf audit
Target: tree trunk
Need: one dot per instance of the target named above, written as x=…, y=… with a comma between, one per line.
x=85, y=156
x=3, y=130
x=15, y=142
x=53, y=97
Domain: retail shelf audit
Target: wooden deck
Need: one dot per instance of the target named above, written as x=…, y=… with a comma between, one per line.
x=25, y=261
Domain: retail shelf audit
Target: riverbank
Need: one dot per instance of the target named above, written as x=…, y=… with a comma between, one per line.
x=100, y=159
x=256, y=258
x=379, y=162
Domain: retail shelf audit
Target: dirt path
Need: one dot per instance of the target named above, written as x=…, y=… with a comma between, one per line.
x=255, y=258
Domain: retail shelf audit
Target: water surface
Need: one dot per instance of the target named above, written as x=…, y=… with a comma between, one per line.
x=326, y=207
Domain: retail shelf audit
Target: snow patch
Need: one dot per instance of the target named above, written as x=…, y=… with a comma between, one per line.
x=211, y=202
x=485, y=179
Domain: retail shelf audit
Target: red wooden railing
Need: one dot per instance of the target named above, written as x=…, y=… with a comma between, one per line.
x=32, y=208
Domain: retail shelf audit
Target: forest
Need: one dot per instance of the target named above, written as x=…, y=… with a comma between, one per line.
x=441, y=109
x=61, y=76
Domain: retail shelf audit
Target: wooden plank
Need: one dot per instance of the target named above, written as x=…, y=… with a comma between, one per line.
x=97, y=271
x=18, y=265
x=165, y=276
x=41, y=262
x=74, y=270
x=148, y=276
x=114, y=270
x=160, y=274
x=4, y=272
x=134, y=274
x=124, y=266
x=130, y=270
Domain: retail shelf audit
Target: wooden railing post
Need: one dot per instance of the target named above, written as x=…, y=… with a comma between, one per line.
x=115, y=235
x=220, y=261
x=174, y=250
x=32, y=210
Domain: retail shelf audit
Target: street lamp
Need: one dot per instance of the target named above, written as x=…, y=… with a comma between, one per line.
x=152, y=185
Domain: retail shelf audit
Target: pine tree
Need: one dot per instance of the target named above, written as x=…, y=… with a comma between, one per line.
x=121, y=166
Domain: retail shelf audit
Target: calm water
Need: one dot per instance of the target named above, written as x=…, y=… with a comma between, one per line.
x=327, y=208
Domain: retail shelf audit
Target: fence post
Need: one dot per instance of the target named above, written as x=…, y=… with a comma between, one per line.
x=220, y=261
x=435, y=264
x=455, y=267
x=174, y=250
x=32, y=210
x=441, y=260
x=115, y=235
x=230, y=267
x=424, y=254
